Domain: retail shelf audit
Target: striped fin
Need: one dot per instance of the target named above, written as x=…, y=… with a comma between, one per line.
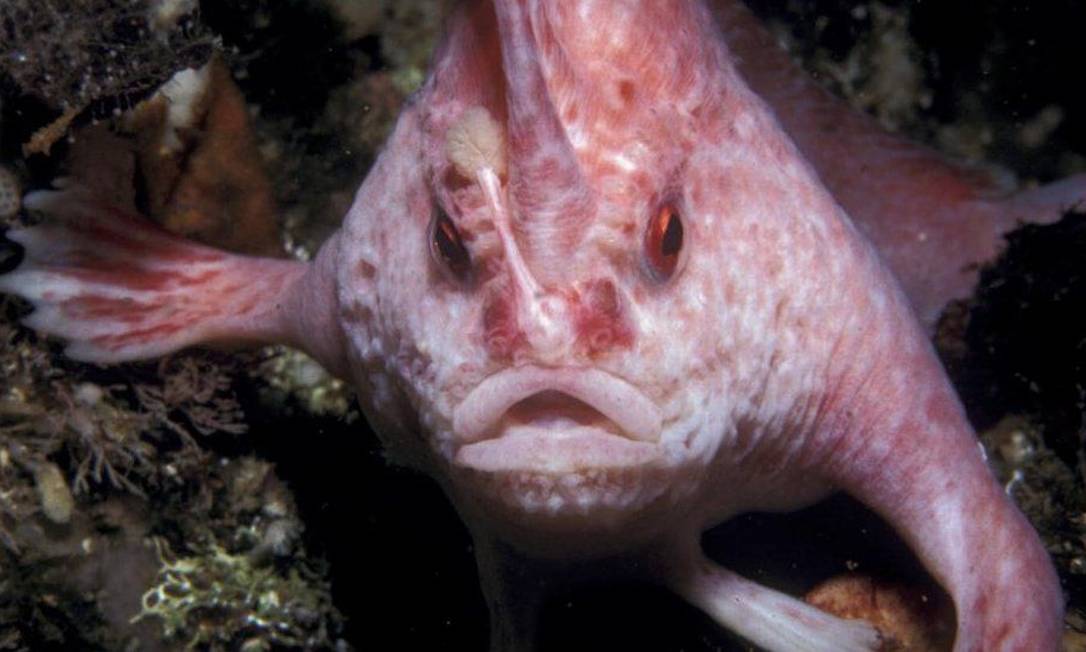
x=117, y=287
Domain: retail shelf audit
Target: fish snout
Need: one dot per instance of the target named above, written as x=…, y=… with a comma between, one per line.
x=553, y=327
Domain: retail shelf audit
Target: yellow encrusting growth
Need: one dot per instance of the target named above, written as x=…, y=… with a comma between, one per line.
x=53, y=492
x=476, y=142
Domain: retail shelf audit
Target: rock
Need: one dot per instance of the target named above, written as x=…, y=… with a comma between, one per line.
x=910, y=620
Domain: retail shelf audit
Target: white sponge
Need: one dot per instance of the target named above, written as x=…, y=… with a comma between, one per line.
x=475, y=142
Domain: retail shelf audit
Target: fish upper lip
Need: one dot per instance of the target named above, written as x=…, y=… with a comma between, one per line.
x=481, y=411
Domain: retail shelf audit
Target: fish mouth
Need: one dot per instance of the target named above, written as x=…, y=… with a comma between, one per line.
x=555, y=421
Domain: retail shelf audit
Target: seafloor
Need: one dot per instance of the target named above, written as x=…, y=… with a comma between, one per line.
x=243, y=499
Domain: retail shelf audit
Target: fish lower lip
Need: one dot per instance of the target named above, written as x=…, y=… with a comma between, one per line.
x=630, y=413
x=555, y=452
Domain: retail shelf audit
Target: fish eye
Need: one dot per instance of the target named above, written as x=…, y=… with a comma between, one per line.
x=446, y=246
x=664, y=242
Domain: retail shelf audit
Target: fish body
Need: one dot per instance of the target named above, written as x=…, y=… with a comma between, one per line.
x=609, y=290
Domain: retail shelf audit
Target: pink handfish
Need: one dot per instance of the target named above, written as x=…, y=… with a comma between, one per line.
x=610, y=289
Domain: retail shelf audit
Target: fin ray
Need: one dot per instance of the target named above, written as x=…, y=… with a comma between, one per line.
x=118, y=287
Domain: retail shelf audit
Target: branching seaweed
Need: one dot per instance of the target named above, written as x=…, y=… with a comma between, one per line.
x=134, y=429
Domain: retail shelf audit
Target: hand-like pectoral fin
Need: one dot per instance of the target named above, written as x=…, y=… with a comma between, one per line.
x=923, y=470
x=768, y=618
x=117, y=287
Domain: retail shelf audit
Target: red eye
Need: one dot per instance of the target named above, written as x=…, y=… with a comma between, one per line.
x=447, y=248
x=664, y=242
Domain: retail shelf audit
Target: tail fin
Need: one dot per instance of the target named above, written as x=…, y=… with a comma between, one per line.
x=118, y=287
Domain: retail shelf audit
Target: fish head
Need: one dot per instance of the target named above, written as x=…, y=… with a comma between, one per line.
x=532, y=274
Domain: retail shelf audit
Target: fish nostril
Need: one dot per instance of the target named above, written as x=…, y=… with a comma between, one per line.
x=600, y=339
x=602, y=296
x=601, y=320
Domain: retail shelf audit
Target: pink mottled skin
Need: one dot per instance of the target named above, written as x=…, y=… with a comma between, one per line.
x=579, y=403
x=934, y=222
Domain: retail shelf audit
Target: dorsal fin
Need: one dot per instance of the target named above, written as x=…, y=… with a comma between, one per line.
x=545, y=178
x=936, y=223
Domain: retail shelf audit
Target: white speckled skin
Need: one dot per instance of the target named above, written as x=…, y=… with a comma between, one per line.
x=576, y=406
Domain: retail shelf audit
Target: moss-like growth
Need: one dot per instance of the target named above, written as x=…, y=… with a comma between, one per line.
x=220, y=600
x=136, y=437
x=70, y=54
x=293, y=376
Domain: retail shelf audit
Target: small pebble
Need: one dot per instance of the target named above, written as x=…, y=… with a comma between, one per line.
x=53, y=492
x=88, y=394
